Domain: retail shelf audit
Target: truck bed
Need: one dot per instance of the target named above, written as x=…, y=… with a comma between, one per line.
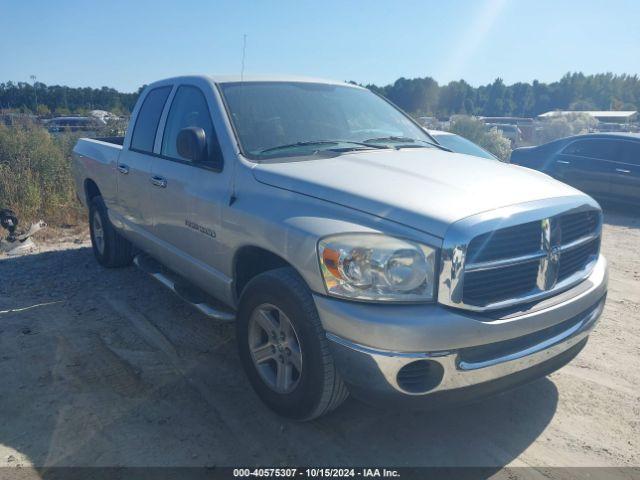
x=97, y=159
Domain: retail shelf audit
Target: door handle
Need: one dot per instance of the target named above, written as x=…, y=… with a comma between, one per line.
x=563, y=162
x=124, y=169
x=159, y=181
x=622, y=170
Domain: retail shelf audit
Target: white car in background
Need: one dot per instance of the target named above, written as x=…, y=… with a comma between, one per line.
x=459, y=144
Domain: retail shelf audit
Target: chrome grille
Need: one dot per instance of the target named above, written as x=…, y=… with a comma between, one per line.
x=517, y=257
x=574, y=259
x=577, y=225
x=505, y=243
x=499, y=283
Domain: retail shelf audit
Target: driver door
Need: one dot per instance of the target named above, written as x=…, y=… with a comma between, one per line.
x=187, y=196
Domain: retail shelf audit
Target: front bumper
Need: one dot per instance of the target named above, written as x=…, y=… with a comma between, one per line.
x=460, y=354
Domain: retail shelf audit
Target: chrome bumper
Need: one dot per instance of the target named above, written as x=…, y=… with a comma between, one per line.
x=358, y=360
x=498, y=353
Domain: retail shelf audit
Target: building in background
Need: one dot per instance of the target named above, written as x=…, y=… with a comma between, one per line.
x=605, y=116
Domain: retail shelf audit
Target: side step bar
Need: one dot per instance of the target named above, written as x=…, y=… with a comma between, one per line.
x=202, y=301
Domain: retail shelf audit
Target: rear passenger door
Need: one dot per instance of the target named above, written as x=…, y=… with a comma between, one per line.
x=586, y=165
x=626, y=173
x=134, y=166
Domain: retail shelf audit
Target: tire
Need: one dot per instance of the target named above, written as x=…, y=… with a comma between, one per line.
x=110, y=248
x=318, y=388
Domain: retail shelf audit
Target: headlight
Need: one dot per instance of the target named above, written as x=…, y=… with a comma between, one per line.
x=376, y=267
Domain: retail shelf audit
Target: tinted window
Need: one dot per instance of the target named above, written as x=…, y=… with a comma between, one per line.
x=596, y=148
x=189, y=109
x=630, y=152
x=144, y=131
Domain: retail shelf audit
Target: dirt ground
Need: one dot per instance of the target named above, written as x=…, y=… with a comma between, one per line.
x=106, y=368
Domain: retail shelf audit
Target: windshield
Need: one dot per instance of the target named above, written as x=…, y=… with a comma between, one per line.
x=275, y=119
x=461, y=145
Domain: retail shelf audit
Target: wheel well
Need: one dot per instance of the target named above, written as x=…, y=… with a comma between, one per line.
x=91, y=190
x=252, y=261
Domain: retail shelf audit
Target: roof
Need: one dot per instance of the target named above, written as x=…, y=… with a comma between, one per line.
x=614, y=135
x=272, y=78
x=252, y=78
x=593, y=113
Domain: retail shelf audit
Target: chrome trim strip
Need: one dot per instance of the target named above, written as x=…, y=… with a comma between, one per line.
x=579, y=241
x=460, y=234
x=503, y=262
x=384, y=353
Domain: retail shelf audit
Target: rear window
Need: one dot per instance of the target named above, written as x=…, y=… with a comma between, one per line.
x=144, y=131
x=593, y=148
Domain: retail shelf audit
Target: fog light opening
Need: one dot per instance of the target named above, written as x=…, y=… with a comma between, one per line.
x=420, y=376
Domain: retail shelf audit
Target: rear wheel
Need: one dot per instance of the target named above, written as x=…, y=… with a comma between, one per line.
x=283, y=347
x=109, y=247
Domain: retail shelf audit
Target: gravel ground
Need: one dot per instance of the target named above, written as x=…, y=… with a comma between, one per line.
x=106, y=368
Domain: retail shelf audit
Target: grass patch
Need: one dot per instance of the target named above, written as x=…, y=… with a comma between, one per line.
x=35, y=175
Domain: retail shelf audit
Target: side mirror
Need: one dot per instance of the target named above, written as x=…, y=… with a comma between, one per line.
x=192, y=144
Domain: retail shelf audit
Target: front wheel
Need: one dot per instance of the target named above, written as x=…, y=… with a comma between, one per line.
x=283, y=347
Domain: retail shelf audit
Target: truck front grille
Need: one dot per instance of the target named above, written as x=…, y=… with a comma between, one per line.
x=505, y=243
x=481, y=288
x=531, y=258
x=575, y=259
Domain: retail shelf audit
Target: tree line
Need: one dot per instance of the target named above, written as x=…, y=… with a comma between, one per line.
x=419, y=96
x=63, y=100
x=575, y=91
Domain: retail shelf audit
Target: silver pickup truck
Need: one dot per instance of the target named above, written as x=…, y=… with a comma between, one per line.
x=354, y=253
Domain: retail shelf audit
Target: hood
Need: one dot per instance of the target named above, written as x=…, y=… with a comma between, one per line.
x=426, y=189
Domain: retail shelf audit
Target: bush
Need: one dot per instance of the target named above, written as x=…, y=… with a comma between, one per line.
x=35, y=175
x=560, y=126
x=475, y=130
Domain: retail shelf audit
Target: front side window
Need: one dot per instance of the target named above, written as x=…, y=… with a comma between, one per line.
x=144, y=131
x=274, y=119
x=593, y=148
x=188, y=109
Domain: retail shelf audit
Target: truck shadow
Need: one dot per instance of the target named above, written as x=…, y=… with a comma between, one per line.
x=105, y=368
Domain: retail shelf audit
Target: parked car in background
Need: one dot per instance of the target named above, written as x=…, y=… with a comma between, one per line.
x=74, y=124
x=605, y=165
x=12, y=119
x=459, y=144
x=512, y=132
x=526, y=125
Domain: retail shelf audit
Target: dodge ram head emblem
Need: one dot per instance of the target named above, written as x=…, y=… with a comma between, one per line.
x=550, y=262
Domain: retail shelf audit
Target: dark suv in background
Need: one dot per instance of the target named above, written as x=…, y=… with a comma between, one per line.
x=604, y=165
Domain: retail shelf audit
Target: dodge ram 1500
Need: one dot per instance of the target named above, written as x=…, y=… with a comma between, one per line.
x=354, y=253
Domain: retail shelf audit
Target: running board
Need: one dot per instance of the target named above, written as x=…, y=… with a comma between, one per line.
x=202, y=301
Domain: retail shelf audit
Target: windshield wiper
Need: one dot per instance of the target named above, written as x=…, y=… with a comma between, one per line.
x=319, y=142
x=397, y=139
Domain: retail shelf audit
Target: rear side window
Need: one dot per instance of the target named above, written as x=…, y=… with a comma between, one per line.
x=189, y=109
x=144, y=131
x=593, y=148
x=630, y=152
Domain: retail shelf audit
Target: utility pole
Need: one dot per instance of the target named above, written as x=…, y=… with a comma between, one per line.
x=35, y=91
